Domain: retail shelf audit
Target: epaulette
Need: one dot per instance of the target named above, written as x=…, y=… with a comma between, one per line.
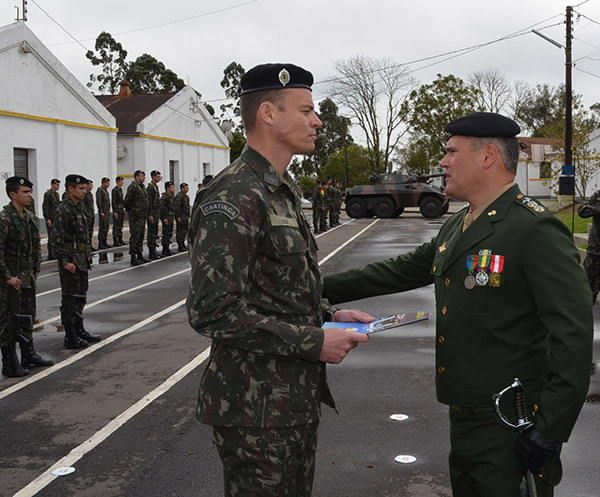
x=530, y=203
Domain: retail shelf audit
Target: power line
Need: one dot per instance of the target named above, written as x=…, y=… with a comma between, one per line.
x=60, y=26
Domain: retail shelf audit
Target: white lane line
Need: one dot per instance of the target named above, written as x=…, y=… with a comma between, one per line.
x=331, y=254
x=87, y=351
x=91, y=443
x=332, y=229
x=107, y=274
x=115, y=295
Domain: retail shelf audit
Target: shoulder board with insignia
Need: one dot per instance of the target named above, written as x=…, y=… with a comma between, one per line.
x=531, y=203
x=218, y=206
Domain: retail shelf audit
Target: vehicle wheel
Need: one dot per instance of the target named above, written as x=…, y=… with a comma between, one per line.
x=431, y=207
x=445, y=209
x=356, y=207
x=384, y=207
x=399, y=211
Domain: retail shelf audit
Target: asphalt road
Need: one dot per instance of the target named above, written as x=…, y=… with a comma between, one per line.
x=121, y=412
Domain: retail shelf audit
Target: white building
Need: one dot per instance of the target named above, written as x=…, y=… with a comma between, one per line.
x=534, y=172
x=50, y=124
x=171, y=133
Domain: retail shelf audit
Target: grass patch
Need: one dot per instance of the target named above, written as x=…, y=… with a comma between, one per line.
x=566, y=216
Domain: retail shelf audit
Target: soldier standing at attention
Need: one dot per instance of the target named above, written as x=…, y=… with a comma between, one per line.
x=255, y=291
x=49, y=206
x=317, y=207
x=197, y=201
x=103, y=204
x=136, y=203
x=182, y=214
x=88, y=207
x=118, y=206
x=167, y=217
x=20, y=261
x=330, y=200
x=70, y=242
x=592, y=258
x=504, y=311
x=153, y=213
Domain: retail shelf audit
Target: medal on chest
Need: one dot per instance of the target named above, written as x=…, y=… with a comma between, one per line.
x=471, y=266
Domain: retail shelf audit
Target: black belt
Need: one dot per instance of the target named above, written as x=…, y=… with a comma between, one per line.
x=471, y=410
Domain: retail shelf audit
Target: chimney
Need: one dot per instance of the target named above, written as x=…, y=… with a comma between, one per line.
x=124, y=91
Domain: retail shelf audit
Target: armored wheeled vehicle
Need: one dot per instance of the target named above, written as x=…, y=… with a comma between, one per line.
x=389, y=194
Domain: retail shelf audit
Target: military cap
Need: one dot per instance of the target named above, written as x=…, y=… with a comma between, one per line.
x=275, y=77
x=119, y=178
x=19, y=180
x=76, y=178
x=54, y=181
x=154, y=173
x=207, y=179
x=105, y=179
x=138, y=172
x=168, y=184
x=485, y=124
x=183, y=185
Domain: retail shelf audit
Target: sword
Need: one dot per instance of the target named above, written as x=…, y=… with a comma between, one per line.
x=528, y=483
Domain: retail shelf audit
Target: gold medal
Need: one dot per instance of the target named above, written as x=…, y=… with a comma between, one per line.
x=494, y=280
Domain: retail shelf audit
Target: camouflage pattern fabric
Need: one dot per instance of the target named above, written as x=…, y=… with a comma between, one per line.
x=136, y=203
x=195, y=208
x=118, y=206
x=70, y=244
x=153, y=210
x=274, y=462
x=50, y=204
x=167, y=213
x=592, y=260
x=103, y=204
x=88, y=208
x=182, y=211
x=317, y=207
x=19, y=245
x=255, y=290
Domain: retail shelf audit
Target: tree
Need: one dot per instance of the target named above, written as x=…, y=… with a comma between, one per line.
x=494, y=90
x=359, y=165
x=374, y=91
x=111, y=56
x=232, y=76
x=149, y=75
x=433, y=106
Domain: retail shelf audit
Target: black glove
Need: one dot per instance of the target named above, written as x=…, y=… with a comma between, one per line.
x=533, y=449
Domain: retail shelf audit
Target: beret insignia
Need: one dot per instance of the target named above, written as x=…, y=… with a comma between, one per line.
x=284, y=77
x=218, y=206
x=22, y=181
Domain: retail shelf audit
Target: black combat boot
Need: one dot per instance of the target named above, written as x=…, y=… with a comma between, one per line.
x=72, y=341
x=181, y=247
x=135, y=261
x=166, y=251
x=29, y=357
x=153, y=253
x=10, y=363
x=140, y=257
x=82, y=333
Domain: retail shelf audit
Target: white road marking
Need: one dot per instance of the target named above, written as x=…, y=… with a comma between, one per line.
x=331, y=254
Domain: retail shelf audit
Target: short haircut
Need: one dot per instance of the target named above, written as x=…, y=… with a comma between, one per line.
x=12, y=187
x=250, y=103
x=508, y=148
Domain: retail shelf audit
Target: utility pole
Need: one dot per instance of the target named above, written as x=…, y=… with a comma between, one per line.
x=569, y=92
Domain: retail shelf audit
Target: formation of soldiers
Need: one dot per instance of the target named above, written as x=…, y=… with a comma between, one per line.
x=326, y=204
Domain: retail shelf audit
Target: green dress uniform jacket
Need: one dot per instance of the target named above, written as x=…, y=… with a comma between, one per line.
x=256, y=292
x=69, y=238
x=535, y=325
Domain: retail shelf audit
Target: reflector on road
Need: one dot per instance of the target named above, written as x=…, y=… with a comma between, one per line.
x=405, y=459
x=398, y=417
x=67, y=470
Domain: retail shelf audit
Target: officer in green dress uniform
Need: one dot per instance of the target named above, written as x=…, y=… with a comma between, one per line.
x=255, y=290
x=512, y=302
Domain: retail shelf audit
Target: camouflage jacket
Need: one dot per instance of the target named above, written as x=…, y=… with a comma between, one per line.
x=50, y=204
x=256, y=289
x=182, y=206
x=136, y=199
x=167, y=210
x=592, y=209
x=118, y=204
x=88, y=206
x=153, y=199
x=103, y=201
x=69, y=238
x=19, y=245
x=317, y=198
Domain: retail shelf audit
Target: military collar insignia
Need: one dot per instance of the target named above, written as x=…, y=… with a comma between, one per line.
x=492, y=212
x=284, y=77
x=531, y=203
x=217, y=206
x=272, y=179
x=442, y=248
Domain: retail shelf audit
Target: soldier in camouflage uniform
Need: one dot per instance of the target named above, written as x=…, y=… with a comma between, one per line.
x=49, y=206
x=256, y=292
x=103, y=204
x=592, y=259
x=317, y=207
x=197, y=201
x=136, y=203
x=88, y=208
x=153, y=214
x=70, y=242
x=167, y=217
x=118, y=206
x=182, y=215
x=329, y=200
x=20, y=261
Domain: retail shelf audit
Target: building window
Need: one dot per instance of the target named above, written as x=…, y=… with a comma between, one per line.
x=205, y=169
x=545, y=170
x=21, y=162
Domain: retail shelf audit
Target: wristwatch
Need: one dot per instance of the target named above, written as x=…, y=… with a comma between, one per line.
x=328, y=314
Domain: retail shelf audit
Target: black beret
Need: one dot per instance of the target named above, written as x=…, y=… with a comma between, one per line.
x=54, y=181
x=486, y=124
x=19, y=180
x=76, y=178
x=207, y=179
x=105, y=179
x=138, y=172
x=154, y=173
x=168, y=184
x=275, y=77
x=183, y=185
x=118, y=178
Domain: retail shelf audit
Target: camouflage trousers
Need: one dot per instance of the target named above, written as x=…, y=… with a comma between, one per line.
x=316, y=218
x=182, y=229
x=72, y=284
x=592, y=269
x=89, y=222
x=137, y=226
x=267, y=462
x=103, y=223
x=167, y=231
x=153, y=231
x=118, y=226
x=25, y=305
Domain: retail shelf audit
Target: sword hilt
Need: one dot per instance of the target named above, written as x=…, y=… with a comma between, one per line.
x=520, y=410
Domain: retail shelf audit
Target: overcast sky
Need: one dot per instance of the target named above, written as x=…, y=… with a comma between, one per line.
x=198, y=38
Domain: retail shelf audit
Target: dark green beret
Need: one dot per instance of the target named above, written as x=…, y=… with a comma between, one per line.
x=275, y=77
x=487, y=124
x=19, y=180
x=76, y=178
